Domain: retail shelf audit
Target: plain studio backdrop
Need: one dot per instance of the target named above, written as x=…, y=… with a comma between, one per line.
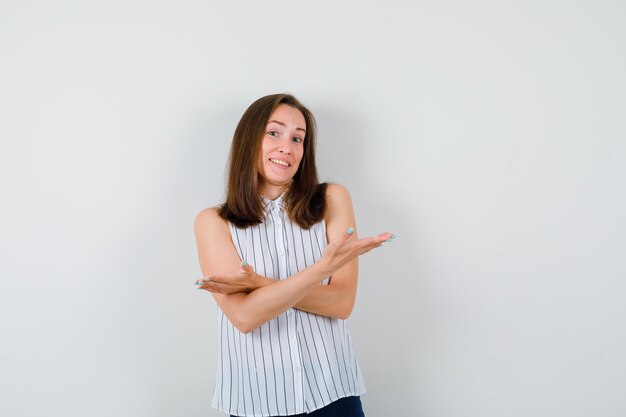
x=490, y=136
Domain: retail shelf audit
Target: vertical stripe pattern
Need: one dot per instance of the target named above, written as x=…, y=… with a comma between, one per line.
x=297, y=362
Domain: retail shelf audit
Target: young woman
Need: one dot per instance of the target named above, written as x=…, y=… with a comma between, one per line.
x=280, y=259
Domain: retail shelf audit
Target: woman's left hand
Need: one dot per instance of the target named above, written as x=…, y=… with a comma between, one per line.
x=244, y=280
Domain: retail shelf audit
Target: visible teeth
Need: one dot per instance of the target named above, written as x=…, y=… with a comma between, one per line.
x=279, y=162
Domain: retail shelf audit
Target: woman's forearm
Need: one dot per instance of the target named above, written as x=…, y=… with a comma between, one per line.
x=268, y=301
x=326, y=300
x=252, y=304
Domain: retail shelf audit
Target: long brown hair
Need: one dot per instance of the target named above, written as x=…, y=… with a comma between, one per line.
x=305, y=198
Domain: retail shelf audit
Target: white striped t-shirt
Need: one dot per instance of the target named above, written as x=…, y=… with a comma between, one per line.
x=297, y=362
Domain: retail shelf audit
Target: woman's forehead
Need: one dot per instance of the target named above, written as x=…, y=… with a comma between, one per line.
x=285, y=114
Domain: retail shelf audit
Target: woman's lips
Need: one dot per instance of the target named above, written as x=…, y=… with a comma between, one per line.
x=279, y=163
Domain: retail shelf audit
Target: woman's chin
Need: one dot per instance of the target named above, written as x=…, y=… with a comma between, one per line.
x=281, y=179
x=272, y=186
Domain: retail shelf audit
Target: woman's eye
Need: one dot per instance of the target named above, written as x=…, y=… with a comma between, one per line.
x=273, y=133
x=297, y=140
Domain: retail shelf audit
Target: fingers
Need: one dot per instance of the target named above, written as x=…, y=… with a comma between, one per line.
x=207, y=284
x=228, y=283
x=210, y=287
x=214, y=279
x=246, y=266
x=375, y=240
x=347, y=235
x=364, y=245
x=343, y=238
x=212, y=283
x=359, y=246
x=218, y=287
x=381, y=238
x=390, y=238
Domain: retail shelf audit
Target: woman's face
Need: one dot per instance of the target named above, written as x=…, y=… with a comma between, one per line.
x=282, y=148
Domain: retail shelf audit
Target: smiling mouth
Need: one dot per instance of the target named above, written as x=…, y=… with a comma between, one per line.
x=279, y=162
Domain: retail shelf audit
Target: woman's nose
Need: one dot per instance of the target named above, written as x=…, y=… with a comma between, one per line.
x=285, y=147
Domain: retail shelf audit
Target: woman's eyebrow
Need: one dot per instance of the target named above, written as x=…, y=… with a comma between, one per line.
x=282, y=124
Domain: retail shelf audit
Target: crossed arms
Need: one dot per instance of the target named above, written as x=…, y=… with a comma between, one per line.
x=249, y=300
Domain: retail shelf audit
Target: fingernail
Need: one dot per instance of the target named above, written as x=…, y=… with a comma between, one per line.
x=244, y=263
x=350, y=230
x=392, y=237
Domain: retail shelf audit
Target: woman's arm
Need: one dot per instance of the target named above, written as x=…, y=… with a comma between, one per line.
x=333, y=300
x=337, y=298
x=247, y=311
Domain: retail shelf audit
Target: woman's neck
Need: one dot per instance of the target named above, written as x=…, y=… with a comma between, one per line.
x=273, y=191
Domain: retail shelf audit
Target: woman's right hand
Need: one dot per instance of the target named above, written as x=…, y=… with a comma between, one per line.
x=345, y=249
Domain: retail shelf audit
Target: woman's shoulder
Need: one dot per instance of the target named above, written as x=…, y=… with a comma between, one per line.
x=338, y=202
x=209, y=219
x=336, y=193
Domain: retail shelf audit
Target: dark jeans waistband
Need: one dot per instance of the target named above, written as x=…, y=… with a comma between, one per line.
x=343, y=407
